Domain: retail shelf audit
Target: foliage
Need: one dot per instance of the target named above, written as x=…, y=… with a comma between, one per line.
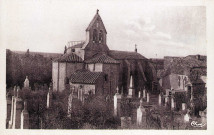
x=36, y=67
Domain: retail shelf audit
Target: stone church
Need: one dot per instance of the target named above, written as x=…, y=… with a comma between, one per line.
x=90, y=67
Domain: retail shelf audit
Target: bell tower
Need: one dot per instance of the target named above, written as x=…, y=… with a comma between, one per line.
x=95, y=37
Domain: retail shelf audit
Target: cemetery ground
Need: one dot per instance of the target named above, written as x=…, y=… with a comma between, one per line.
x=95, y=115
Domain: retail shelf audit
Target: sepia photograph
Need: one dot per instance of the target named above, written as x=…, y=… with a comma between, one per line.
x=105, y=65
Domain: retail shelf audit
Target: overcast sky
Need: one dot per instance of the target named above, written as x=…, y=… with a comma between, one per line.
x=47, y=26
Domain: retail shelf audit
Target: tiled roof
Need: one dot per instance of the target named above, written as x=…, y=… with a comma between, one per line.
x=85, y=77
x=120, y=55
x=69, y=58
x=102, y=58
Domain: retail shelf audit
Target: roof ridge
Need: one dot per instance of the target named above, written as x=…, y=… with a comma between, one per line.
x=93, y=20
x=102, y=58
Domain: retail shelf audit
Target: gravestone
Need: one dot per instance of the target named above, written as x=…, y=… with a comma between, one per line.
x=26, y=82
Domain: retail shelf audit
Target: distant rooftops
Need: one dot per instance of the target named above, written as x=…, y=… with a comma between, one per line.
x=120, y=55
x=183, y=65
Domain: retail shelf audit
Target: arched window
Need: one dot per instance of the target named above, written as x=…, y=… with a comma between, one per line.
x=179, y=81
x=185, y=80
x=95, y=35
x=100, y=36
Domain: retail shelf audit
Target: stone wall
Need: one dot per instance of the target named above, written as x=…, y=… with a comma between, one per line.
x=55, y=75
x=111, y=76
x=61, y=72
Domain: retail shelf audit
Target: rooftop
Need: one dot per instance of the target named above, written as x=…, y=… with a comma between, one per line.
x=69, y=58
x=85, y=77
x=102, y=58
x=119, y=55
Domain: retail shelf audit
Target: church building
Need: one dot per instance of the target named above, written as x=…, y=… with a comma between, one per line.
x=90, y=67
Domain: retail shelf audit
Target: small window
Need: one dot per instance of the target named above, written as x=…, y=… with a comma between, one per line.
x=66, y=80
x=106, y=77
x=73, y=50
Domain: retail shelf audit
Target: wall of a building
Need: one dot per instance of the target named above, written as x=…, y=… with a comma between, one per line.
x=72, y=67
x=91, y=67
x=85, y=87
x=98, y=67
x=136, y=68
x=110, y=85
x=61, y=71
x=100, y=85
x=62, y=76
x=172, y=82
x=78, y=51
x=55, y=75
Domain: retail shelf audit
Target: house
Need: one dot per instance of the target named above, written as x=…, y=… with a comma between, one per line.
x=185, y=76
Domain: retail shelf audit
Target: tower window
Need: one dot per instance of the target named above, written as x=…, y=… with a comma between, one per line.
x=100, y=36
x=95, y=36
x=73, y=50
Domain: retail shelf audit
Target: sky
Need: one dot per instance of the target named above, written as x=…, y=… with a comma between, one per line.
x=158, y=29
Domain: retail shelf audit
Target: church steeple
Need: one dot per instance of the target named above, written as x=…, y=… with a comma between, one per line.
x=95, y=37
x=94, y=21
x=96, y=29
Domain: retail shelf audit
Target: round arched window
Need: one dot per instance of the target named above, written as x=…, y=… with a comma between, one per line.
x=100, y=36
x=95, y=35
